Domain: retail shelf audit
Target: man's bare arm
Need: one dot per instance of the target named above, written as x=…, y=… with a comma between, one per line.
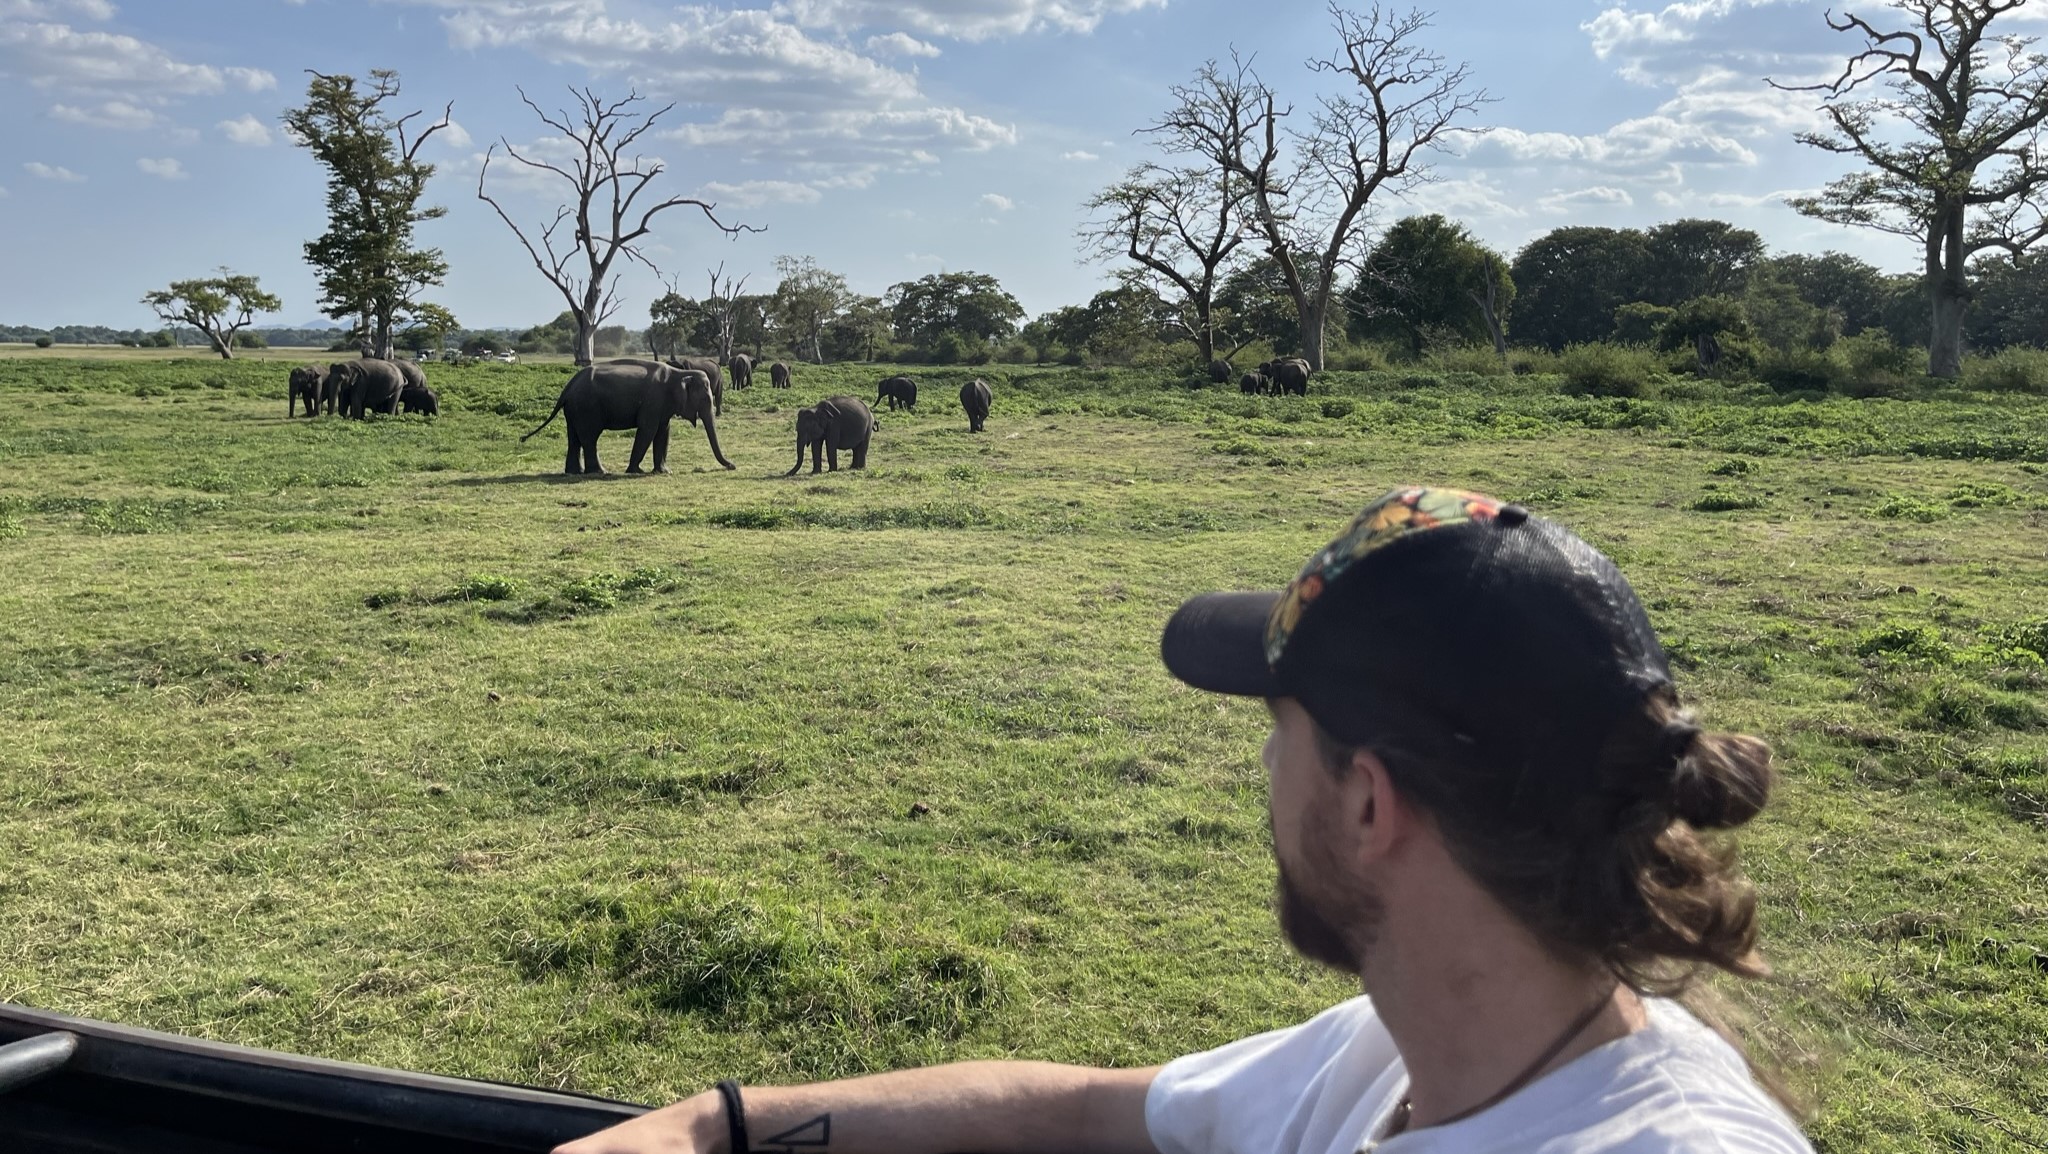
x=966, y=1108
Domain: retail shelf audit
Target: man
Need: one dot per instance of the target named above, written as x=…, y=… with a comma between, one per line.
x=1486, y=803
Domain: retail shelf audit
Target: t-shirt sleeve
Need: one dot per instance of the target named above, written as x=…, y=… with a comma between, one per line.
x=1248, y=1097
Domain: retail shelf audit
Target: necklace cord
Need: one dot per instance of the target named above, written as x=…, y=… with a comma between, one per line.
x=1404, y=1109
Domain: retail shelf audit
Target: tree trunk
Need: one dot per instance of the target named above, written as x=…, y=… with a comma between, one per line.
x=1945, y=346
x=222, y=345
x=586, y=342
x=1312, y=318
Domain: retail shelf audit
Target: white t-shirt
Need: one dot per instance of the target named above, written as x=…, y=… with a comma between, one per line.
x=1330, y=1085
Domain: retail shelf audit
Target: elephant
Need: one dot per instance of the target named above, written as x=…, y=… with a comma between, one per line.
x=419, y=399
x=305, y=386
x=709, y=367
x=1287, y=375
x=778, y=375
x=975, y=398
x=900, y=392
x=639, y=395
x=833, y=424
x=1251, y=383
x=364, y=386
x=1220, y=370
x=742, y=367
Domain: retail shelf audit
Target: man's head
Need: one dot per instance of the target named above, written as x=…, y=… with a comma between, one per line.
x=1475, y=678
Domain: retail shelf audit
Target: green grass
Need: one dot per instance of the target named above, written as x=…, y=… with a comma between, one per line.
x=383, y=742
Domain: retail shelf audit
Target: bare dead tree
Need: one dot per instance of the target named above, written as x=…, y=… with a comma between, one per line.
x=604, y=221
x=722, y=306
x=1968, y=174
x=1179, y=228
x=1311, y=207
x=1489, y=305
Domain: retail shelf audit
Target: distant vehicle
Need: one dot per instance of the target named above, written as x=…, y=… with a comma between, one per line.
x=509, y=358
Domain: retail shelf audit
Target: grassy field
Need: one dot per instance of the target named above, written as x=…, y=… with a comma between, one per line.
x=380, y=741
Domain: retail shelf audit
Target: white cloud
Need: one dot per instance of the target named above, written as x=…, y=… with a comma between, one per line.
x=246, y=130
x=997, y=201
x=1595, y=198
x=1741, y=200
x=1079, y=154
x=119, y=114
x=454, y=136
x=924, y=259
x=900, y=44
x=58, y=56
x=1636, y=146
x=251, y=79
x=166, y=167
x=754, y=193
x=55, y=9
x=982, y=20
x=43, y=171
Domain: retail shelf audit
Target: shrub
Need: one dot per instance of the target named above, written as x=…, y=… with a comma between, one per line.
x=1465, y=358
x=1799, y=371
x=1904, y=640
x=1640, y=322
x=1877, y=365
x=2010, y=370
x=1355, y=359
x=1606, y=370
x=44, y=342
x=1719, y=501
x=1528, y=362
x=1898, y=507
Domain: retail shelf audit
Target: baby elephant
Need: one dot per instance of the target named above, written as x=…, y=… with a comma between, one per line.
x=900, y=392
x=1251, y=383
x=419, y=399
x=778, y=375
x=833, y=424
x=975, y=398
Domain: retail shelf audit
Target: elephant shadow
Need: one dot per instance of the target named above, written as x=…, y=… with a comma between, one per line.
x=539, y=479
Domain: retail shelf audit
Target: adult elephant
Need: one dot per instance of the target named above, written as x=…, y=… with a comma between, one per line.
x=639, y=395
x=709, y=367
x=975, y=398
x=778, y=375
x=365, y=386
x=833, y=424
x=1220, y=370
x=1288, y=375
x=900, y=392
x=305, y=386
x=742, y=367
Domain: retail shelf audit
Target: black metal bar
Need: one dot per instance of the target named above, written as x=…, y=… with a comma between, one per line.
x=32, y=1058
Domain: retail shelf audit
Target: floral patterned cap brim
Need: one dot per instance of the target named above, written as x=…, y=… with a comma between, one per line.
x=1398, y=514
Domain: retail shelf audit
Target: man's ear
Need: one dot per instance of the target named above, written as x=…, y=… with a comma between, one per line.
x=1373, y=807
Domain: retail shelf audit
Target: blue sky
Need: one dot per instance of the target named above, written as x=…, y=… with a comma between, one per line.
x=886, y=138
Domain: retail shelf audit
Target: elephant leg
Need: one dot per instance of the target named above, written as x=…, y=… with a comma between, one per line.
x=860, y=455
x=642, y=441
x=661, y=447
x=590, y=461
x=832, y=456
x=817, y=456
x=572, y=461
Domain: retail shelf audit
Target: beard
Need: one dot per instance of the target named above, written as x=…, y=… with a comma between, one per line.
x=1334, y=932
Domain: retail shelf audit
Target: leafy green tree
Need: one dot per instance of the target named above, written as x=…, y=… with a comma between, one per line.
x=1702, y=324
x=1686, y=259
x=367, y=266
x=1783, y=319
x=1951, y=153
x=1041, y=334
x=1426, y=274
x=1569, y=281
x=2011, y=305
x=807, y=298
x=1259, y=308
x=970, y=305
x=859, y=331
x=219, y=306
x=1854, y=289
x=668, y=326
x=1640, y=322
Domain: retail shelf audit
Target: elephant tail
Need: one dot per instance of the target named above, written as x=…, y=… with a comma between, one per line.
x=550, y=420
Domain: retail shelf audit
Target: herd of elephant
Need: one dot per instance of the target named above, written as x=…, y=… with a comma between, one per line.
x=354, y=388
x=646, y=396
x=1287, y=375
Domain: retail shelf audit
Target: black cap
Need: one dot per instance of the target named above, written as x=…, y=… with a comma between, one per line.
x=1496, y=627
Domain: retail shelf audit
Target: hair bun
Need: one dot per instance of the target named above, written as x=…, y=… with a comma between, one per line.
x=1721, y=779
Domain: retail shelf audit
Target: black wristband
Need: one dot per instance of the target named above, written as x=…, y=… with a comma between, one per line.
x=735, y=1116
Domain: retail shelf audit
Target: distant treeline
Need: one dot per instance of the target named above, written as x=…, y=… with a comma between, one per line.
x=160, y=338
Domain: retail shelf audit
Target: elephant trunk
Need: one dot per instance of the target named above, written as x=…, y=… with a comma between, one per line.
x=711, y=435
x=799, y=456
